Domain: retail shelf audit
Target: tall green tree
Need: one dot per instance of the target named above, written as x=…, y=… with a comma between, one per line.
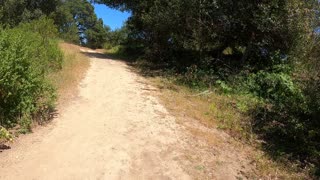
x=96, y=36
x=78, y=23
x=118, y=36
x=13, y=12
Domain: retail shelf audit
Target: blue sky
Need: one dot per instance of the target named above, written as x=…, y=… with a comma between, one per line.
x=111, y=17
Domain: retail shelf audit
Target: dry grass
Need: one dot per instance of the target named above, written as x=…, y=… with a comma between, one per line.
x=211, y=110
x=216, y=111
x=74, y=68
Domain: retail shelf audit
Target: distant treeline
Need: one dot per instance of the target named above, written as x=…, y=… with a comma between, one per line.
x=75, y=20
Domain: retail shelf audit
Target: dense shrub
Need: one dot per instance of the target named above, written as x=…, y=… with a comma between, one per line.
x=47, y=32
x=13, y=12
x=286, y=117
x=26, y=57
x=5, y=135
x=286, y=120
x=196, y=77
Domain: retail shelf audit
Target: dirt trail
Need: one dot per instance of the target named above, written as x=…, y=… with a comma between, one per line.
x=114, y=129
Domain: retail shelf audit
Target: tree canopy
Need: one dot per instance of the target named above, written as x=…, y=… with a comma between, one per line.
x=75, y=19
x=13, y=12
x=78, y=23
x=253, y=31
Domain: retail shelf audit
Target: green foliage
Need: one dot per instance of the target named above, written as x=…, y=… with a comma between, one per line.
x=77, y=14
x=277, y=88
x=294, y=115
x=96, y=36
x=196, y=77
x=5, y=135
x=224, y=87
x=117, y=37
x=13, y=12
x=47, y=32
x=44, y=26
x=184, y=33
x=285, y=117
x=27, y=56
x=75, y=19
x=78, y=23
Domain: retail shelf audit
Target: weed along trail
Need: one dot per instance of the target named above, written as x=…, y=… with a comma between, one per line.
x=115, y=128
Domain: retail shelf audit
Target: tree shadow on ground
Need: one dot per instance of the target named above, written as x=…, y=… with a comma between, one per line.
x=4, y=147
x=98, y=55
x=143, y=68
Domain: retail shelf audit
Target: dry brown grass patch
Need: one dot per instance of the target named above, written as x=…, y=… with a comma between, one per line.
x=73, y=70
x=182, y=103
x=218, y=114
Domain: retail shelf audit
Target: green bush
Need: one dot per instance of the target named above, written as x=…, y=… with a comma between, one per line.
x=107, y=46
x=198, y=78
x=284, y=112
x=5, y=135
x=26, y=57
x=47, y=32
x=277, y=88
x=286, y=119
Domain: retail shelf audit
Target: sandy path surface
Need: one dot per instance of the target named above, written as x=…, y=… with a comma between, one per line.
x=114, y=129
